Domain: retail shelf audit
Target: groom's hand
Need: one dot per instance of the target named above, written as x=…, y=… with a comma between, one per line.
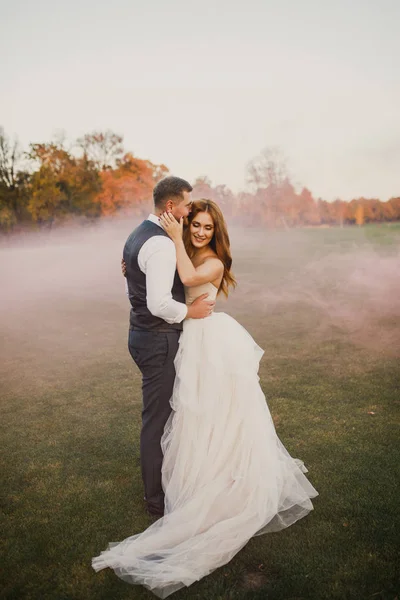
x=200, y=308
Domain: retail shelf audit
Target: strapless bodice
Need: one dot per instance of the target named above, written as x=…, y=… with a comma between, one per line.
x=191, y=293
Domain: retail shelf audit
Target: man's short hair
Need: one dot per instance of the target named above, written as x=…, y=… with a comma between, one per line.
x=170, y=188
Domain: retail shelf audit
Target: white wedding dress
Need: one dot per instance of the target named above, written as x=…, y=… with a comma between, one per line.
x=226, y=475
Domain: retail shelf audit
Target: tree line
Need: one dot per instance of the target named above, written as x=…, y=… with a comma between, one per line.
x=94, y=176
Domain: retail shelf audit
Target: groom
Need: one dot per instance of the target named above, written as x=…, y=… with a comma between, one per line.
x=158, y=310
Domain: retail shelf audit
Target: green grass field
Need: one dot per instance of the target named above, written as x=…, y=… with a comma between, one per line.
x=325, y=306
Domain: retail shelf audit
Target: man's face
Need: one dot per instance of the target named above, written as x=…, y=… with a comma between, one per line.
x=182, y=209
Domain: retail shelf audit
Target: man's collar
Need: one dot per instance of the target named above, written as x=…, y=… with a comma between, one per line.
x=154, y=219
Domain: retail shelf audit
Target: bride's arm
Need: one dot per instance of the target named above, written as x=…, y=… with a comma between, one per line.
x=209, y=271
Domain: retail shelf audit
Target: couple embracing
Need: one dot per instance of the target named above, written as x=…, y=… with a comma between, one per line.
x=213, y=468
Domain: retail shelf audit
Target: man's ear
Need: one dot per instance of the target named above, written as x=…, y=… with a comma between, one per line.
x=169, y=205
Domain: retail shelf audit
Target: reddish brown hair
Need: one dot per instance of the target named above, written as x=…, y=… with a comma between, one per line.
x=219, y=243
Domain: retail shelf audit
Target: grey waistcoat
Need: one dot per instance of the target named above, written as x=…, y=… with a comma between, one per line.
x=140, y=316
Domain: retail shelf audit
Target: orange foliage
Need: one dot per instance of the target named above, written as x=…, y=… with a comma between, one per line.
x=130, y=185
x=104, y=179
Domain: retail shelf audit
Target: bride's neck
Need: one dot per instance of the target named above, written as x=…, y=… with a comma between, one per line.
x=198, y=253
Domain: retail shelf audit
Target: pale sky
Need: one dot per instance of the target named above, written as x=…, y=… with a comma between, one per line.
x=203, y=86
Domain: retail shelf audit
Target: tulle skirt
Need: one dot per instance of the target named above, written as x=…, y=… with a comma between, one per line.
x=226, y=475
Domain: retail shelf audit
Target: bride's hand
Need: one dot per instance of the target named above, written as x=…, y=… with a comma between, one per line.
x=172, y=226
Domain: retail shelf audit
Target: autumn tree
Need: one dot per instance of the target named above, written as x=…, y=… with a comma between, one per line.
x=267, y=169
x=129, y=185
x=287, y=205
x=221, y=194
x=61, y=184
x=52, y=181
x=373, y=210
x=392, y=209
x=327, y=212
x=102, y=148
x=359, y=214
x=202, y=188
x=308, y=213
x=268, y=176
x=13, y=181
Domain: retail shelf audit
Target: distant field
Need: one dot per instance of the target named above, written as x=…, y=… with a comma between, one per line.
x=325, y=306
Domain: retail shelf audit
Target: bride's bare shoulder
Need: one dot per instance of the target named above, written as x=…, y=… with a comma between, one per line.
x=208, y=258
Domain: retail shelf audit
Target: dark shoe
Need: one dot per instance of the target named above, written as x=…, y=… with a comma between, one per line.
x=154, y=511
x=154, y=516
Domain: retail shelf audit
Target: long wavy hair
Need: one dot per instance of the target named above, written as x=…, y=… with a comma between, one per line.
x=219, y=243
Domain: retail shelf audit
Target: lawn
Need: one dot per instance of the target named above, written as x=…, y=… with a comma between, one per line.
x=325, y=306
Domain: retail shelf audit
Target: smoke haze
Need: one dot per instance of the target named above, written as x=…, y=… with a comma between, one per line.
x=64, y=307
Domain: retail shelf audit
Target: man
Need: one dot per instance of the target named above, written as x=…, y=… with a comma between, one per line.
x=158, y=310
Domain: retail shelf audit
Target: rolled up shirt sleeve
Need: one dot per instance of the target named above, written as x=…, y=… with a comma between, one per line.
x=157, y=259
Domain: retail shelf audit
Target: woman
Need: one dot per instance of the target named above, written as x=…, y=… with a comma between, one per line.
x=226, y=475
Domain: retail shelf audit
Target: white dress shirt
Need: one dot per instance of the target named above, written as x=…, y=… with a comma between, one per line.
x=157, y=260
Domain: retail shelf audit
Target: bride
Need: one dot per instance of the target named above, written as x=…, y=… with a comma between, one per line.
x=226, y=475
